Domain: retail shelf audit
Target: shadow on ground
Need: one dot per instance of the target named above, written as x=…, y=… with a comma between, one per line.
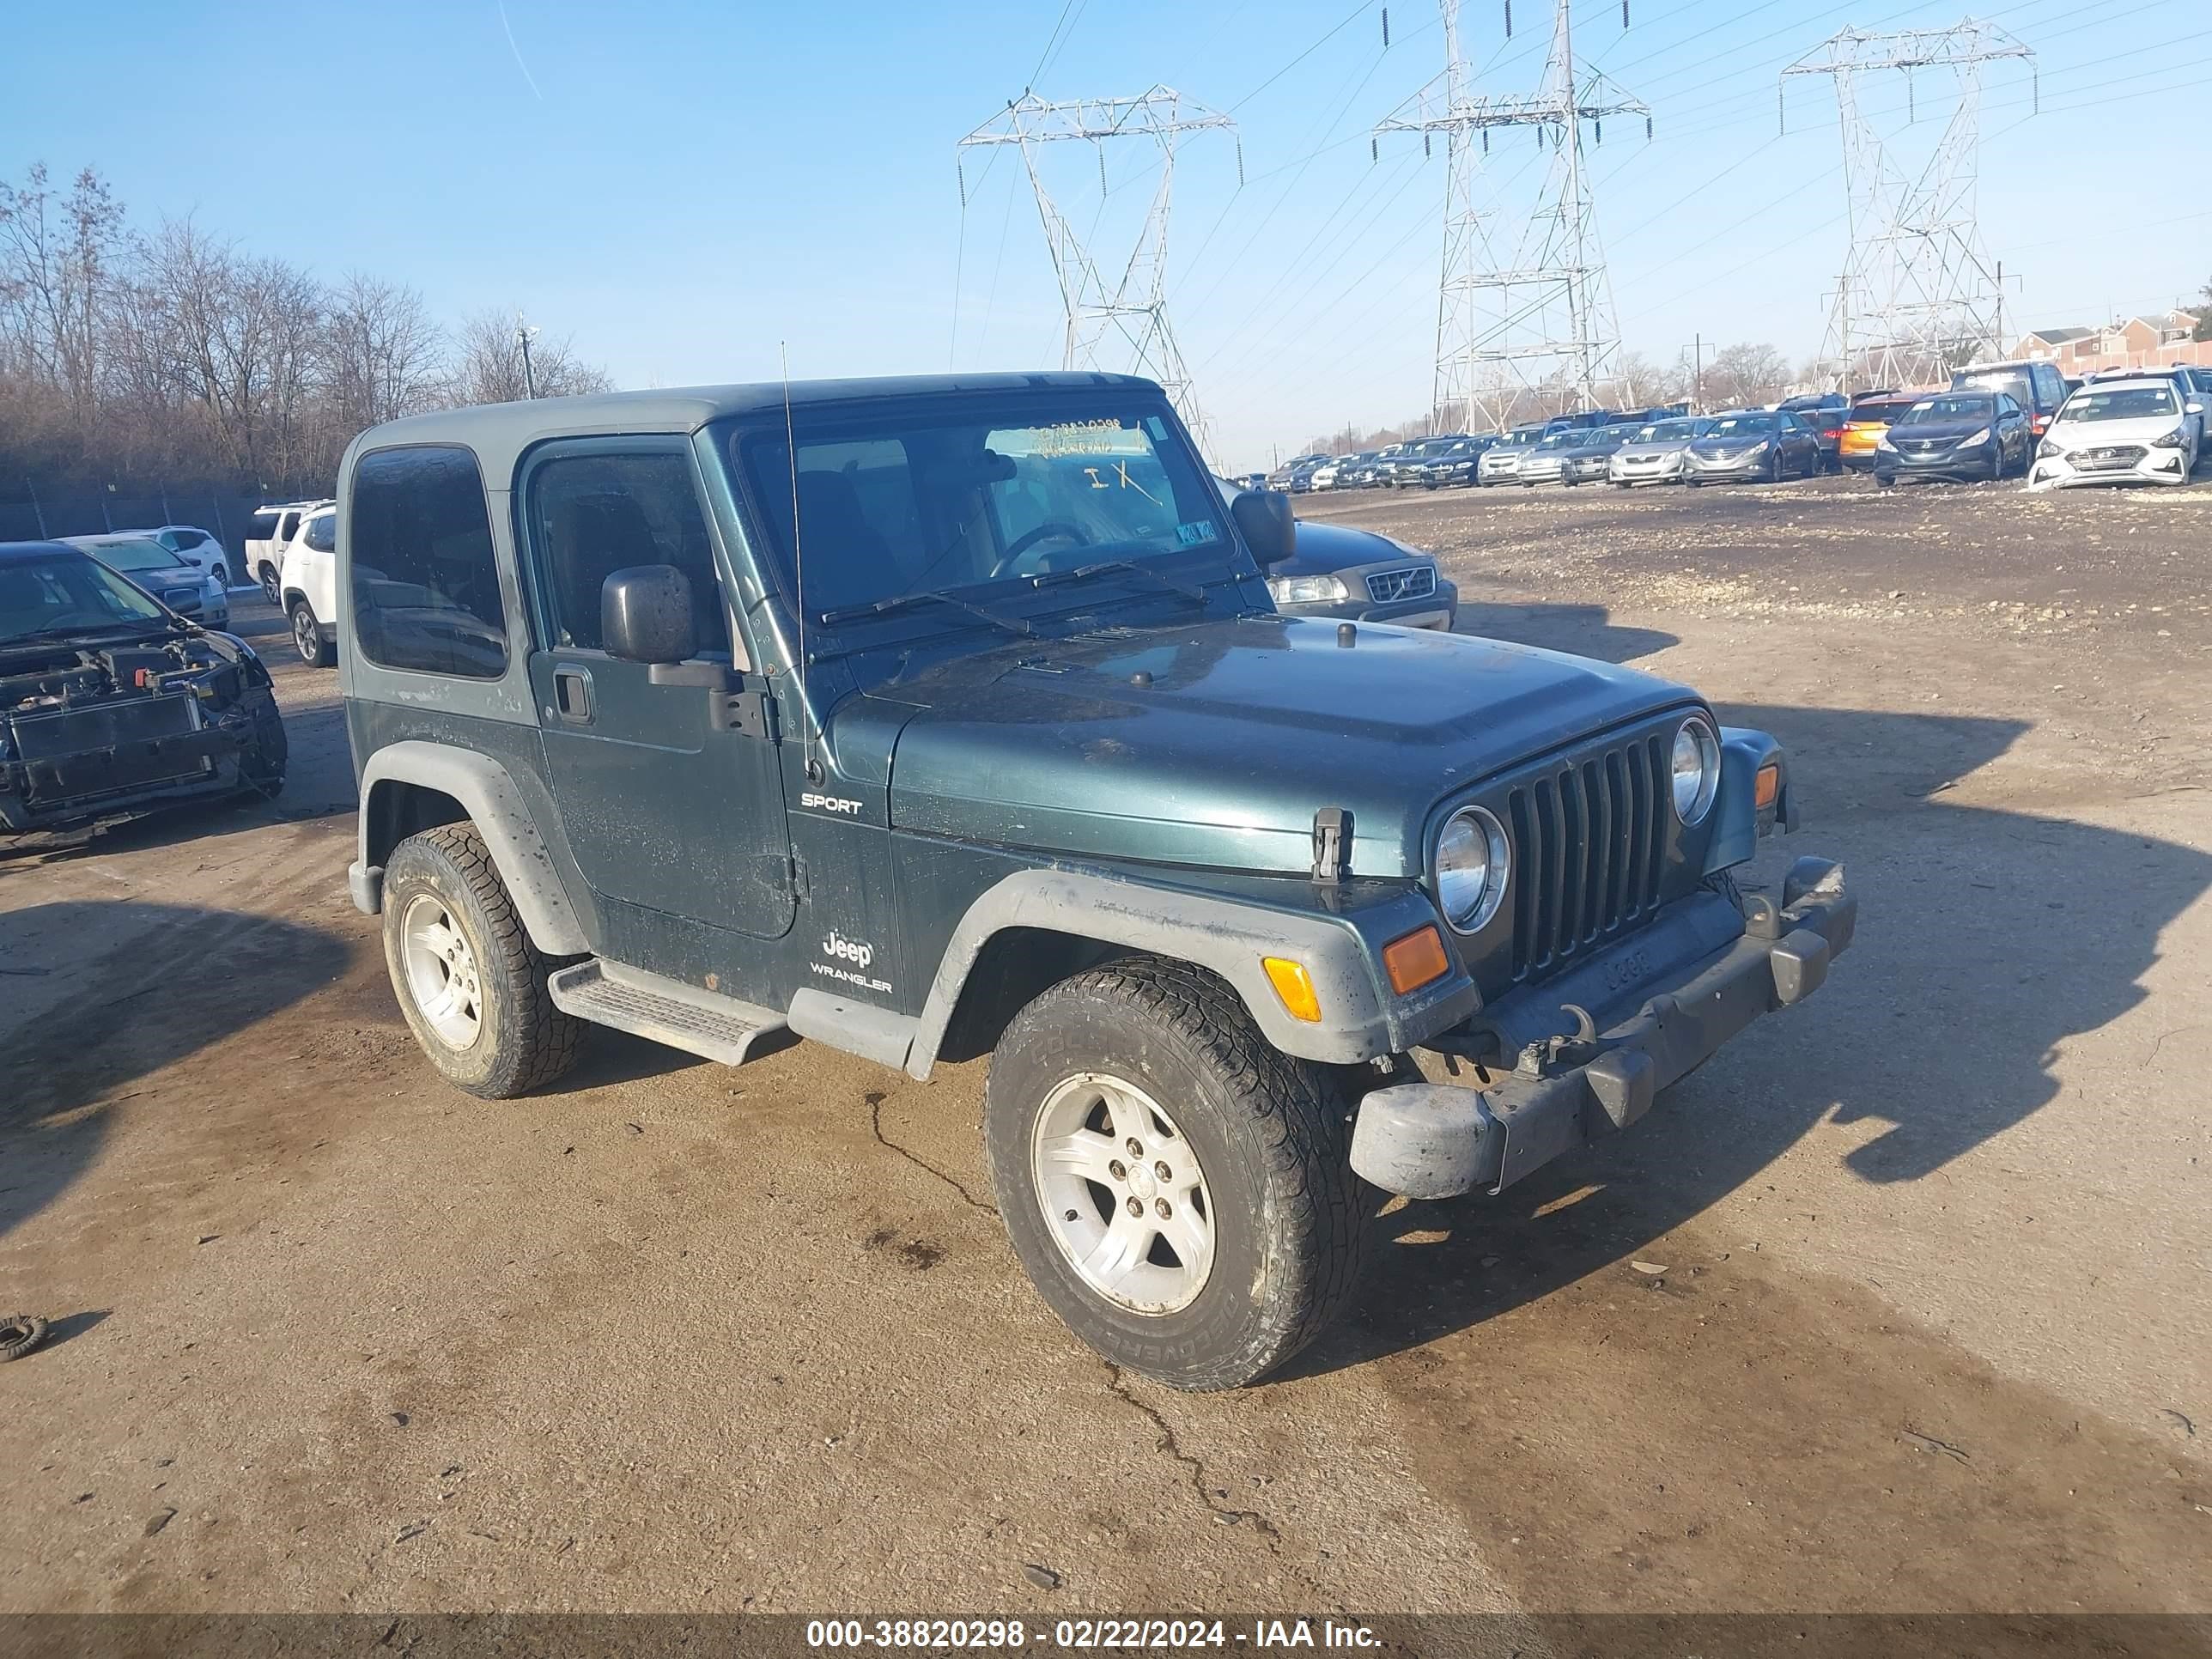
x=1581, y=629
x=152, y=985
x=1977, y=954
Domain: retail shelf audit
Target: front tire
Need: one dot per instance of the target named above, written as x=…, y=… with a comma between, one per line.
x=469, y=981
x=308, y=638
x=1251, y=1240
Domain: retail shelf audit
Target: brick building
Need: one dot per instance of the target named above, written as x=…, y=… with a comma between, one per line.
x=2153, y=342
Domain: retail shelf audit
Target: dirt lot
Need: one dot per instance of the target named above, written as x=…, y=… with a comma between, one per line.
x=1933, y=1330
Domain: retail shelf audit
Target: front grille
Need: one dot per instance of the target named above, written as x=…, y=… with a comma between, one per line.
x=2112, y=455
x=1415, y=581
x=1590, y=837
x=117, y=724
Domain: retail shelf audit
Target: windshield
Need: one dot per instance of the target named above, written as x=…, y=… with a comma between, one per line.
x=2014, y=381
x=66, y=593
x=1522, y=439
x=1928, y=410
x=1741, y=426
x=1565, y=440
x=1665, y=432
x=902, y=500
x=2127, y=403
x=131, y=554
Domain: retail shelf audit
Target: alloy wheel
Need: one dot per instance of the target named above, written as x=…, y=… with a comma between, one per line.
x=1124, y=1197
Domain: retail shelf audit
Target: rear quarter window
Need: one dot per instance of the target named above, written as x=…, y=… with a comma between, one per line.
x=263, y=527
x=425, y=582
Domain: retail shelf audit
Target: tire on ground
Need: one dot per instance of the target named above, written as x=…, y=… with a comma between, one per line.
x=325, y=652
x=523, y=1041
x=1291, y=1218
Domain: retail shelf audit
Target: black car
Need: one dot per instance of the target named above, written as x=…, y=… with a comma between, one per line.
x=2038, y=388
x=1827, y=414
x=1770, y=444
x=1455, y=463
x=111, y=702
x=1356, y=575
x=1959, y=435
x=1591, y=460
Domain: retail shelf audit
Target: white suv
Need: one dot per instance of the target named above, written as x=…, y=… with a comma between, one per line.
x=307, y=588
x=271, y=533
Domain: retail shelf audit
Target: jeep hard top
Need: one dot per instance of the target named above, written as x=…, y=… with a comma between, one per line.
x=937, y=718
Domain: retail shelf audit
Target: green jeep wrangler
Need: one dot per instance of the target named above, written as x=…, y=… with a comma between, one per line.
x=943, y=717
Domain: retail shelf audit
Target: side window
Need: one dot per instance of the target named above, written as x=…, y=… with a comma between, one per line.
x=593, y=513
x=184, y=541
x=425, y=580
x=263, y=528
x=286, y=526
x=321, y=535
x=2050, y=386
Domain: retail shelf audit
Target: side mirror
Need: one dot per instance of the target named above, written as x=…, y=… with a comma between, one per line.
x=645, y=614
x=2192, y=408
x=1264, y=519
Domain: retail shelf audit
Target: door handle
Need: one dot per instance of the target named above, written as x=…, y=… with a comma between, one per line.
x=572, y=696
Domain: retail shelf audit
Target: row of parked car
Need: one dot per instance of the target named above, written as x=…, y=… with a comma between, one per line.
x=1994, y=421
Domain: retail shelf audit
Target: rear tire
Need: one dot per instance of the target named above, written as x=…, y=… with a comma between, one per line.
x=308, y=638
x=469, y=981
x=269, y=589
x=1145, y=1066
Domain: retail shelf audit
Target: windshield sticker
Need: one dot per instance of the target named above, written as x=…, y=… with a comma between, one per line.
x=1085, y=438
x=1193, y=534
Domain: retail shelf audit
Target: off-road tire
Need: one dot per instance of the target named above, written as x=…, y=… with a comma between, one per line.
x=1291, y=1219
x=325, y=652
x=524, y=1042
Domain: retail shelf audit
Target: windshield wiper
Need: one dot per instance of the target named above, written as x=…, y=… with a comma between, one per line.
x=898, y=602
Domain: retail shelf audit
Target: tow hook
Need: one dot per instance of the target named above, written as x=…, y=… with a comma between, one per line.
x=1553, y=1055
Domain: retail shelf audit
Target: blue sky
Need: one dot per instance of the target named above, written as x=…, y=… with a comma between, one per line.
x=682, y=184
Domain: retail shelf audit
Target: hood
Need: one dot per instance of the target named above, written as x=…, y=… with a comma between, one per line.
x=1941, y=431
x=1655, y=452
x=2099, y=434
x=1710, y=445
x=1215, y=743
x=1322, y=548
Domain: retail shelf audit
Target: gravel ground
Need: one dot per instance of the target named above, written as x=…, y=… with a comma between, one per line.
x=1929, y=1329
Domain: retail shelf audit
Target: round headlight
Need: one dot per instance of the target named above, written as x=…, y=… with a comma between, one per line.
x=1697, y=769
x=1471, y=861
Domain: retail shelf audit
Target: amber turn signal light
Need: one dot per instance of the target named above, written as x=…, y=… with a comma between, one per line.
x=1766, y=787
x=1294, y=986
x=1415, y=960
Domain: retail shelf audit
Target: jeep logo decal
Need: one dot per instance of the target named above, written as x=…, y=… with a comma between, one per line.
x=822, y=803
x=848, y=950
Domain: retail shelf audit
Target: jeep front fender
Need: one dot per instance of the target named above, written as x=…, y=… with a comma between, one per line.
x=1362, y=1017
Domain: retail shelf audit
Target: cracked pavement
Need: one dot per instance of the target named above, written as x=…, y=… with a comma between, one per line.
x=1929, y=1329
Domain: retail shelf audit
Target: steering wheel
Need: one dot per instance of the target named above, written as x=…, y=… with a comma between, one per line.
x=1029, y=538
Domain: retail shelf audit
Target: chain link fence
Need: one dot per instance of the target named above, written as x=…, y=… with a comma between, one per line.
x=29, y=511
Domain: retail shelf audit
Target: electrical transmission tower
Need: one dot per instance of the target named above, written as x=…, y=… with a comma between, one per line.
x=1918, y=297
x=1532, y=313
x=1134, y=306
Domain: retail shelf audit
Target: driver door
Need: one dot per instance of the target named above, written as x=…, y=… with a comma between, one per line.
x=674, y=815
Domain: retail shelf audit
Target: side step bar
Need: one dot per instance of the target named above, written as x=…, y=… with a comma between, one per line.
x=665, y=1010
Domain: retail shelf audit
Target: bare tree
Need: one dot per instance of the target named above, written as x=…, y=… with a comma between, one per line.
x=57, y=258
x=382, y=356
x=1743, y=375
x=488, y=367
x=2203, y=331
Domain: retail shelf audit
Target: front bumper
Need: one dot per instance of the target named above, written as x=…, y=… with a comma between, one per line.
x=1980, y=462
x=1540, y=473
x=2158, y=466
x=1697, y=470
x=1440, y=1140
x=1667, y=470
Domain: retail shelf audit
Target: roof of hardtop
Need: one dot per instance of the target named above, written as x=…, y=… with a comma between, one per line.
x=511, y=426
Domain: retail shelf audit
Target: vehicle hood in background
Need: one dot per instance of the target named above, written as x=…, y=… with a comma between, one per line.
x=1215, y=743
x=1322, y=548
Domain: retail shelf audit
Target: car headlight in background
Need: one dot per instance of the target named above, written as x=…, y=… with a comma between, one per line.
x=2050, y=450
x=1697, y=769
x=2177, y=439
x=1977, y=440
x=1307, y=590
x=1472, y=863
x=1883, y=442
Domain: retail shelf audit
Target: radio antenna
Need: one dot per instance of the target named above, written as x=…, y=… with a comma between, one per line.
x=813, y=768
